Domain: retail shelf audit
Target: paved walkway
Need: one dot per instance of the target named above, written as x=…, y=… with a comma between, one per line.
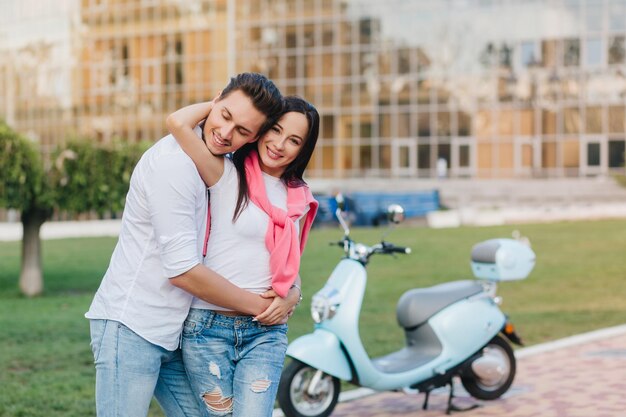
x=583, y=376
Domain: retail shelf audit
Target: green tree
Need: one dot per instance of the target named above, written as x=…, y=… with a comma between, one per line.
x=80, y=177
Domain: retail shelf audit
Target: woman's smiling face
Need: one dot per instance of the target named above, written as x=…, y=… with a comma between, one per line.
x=282, y=143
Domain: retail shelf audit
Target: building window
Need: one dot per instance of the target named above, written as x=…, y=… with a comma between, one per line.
x=423, y=156
x=120, y=68
x=548, y=53
x=464, y=156
x=385, y=121
x=617, y=11
x=423, y=123
x=617, y=153
x=174, y=61
x=548, y=122
x=327, y=34
x=571, y=120
x=506, y=56
x=443, y=124
x=366, y=129
x=291, y=38
x=571, y=52
x=464, y=124
x=443, y=152
x=365, y=155
x=291, y=67
x=529, y=54
x=328, y=127
x=366, y=28
x=593, y=119
x=307, y=38
x=404, y=157
x=616, y=119
x=384, y=157
x=404, y=61
x=593, y=52
x=329, y=156
x=616, y=50
x=404, y=125
x=593, y=154
x=593, y=13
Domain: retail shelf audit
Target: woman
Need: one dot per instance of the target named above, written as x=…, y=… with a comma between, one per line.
x=233, y=362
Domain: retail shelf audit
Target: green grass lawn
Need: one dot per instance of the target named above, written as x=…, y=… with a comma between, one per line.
x=46, y=367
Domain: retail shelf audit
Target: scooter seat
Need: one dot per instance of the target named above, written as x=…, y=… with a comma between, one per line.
x=416, y=306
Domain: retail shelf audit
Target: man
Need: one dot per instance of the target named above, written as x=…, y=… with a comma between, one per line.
x=138, y=312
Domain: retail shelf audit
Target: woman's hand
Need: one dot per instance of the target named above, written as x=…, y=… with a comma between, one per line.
x=280, y=309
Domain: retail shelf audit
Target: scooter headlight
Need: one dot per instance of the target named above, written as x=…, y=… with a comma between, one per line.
x=322, y=309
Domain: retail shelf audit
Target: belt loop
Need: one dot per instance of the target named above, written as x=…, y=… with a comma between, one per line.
x=209, y=318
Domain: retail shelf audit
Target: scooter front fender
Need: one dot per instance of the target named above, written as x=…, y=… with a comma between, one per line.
x=321, y=350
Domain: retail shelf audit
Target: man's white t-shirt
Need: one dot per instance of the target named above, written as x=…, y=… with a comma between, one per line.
x=237, y=251
x=162, y=233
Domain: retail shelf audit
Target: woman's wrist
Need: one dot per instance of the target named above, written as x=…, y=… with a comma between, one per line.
x=297, y=287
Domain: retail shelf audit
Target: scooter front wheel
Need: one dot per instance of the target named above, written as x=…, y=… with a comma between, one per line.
x=307, y=392
x=491, y=374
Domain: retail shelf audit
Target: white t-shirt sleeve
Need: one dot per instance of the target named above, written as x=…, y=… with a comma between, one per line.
x=171, y=190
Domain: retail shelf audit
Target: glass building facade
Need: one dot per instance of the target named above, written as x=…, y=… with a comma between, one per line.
x=491, y=88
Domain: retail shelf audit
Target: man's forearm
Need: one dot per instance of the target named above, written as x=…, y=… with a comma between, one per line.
x=211, y=287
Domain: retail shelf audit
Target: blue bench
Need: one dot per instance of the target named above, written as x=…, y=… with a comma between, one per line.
x=370, y=208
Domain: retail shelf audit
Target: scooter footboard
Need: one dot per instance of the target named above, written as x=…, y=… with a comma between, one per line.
x=321, y=350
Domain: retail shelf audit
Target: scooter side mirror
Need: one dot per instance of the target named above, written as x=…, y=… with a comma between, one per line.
x=341, y=202
x=339, y=213
x=395, y=213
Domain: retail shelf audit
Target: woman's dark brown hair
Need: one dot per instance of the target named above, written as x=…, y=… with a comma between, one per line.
x=292, y=177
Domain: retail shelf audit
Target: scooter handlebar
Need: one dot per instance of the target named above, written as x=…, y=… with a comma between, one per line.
x=391, y=248
x=399, y=249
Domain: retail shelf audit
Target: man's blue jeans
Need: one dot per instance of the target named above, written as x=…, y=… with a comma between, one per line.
x=130, y=370
x=234, y=363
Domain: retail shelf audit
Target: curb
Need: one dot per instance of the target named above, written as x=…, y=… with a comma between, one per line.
x=66, y=229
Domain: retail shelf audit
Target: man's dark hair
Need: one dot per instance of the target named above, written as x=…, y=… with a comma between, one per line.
x=263, y=93
x=267, y=99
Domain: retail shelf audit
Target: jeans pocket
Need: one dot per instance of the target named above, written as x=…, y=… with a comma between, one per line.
x=197, y=321
x=97, y=329
x=191, y=328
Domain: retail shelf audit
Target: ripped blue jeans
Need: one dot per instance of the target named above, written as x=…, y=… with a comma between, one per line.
x=233, y=363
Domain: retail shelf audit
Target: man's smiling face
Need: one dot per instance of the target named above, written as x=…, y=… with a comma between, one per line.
x=233, y=122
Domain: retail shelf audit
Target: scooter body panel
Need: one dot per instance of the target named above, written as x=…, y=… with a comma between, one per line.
x=465, y=327
x=462, y=328
x=321, y=350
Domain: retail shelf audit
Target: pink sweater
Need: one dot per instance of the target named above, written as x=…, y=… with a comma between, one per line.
x=282, y=236
x=281, y=239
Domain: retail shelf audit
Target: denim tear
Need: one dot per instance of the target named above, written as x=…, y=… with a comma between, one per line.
x=214, y=369
x=260, y=385
x=216, y=402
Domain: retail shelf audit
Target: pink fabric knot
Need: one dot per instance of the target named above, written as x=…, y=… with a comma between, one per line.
x=281, y=239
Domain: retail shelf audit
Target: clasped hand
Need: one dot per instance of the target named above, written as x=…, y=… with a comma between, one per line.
x=280, y=309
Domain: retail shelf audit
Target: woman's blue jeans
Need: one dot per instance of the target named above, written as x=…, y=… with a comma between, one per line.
x=130, y=370
x=233, y=363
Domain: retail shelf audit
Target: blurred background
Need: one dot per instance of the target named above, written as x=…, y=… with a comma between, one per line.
x=456, y=89
x=497, y=113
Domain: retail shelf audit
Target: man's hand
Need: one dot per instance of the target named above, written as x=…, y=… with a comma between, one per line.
x=211, y=287
x=280, y=309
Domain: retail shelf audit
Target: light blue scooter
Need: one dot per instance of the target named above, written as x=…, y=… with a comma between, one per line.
x=452, y=329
